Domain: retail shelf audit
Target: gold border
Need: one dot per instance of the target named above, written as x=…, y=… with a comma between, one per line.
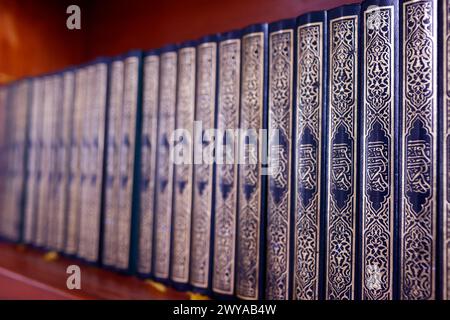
x=355, y=144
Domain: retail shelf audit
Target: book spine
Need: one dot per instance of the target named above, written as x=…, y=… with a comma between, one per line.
x=164, y=182
x=129, y=138
x=111, y=215
x=225, y=209
x=33, y=162
x=204, y=191
x=86, y=162
x=252, y=179
x=444, y=115
x=310, y=164
x=343, y=60
x=182, y=199
x=418, y=186
x=73, y=219
x=55, y=189
x=148, y=162
x=44, y=205
x=281, y=86
x=65, y=156
x=95, y=175
x=379, y=129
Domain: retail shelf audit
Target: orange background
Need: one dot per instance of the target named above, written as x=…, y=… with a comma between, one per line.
x=34, y=38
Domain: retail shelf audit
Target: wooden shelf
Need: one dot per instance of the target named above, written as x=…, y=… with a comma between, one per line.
x=26, y=274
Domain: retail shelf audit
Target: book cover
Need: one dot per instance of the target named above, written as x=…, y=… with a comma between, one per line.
x=250, y=264
x=204, y=183
x=444, y=131
x=281, y=93
x=378, y=133
x=183, y=162
x=129, y=164
x=46, y=164
x=343, y=59
x=150, y=96
x=92, y=200
x=55, y=166
x=33, y=160
x=111, y=187
x=75, y=191
x=225, y=206
x=164, y=180
x=418, y=145
x=310, y=162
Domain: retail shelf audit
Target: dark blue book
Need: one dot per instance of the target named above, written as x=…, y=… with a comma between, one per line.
x=90, y=224
x=150, y=96
x=75, y=172
x=379, y=129
x=342, y=210
x=225, y=214
x=310, y=161
x=111, y=186
x=204, y=183
x=129, y=164
x=281, y=95
x=33, y=161
x=54, y=211
x=164, y=180
x=183, y=162
x=250, y=263
x=419, y=149
x=444, y=131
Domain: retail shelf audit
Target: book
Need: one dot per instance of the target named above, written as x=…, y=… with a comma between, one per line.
x=444, y=208
x=34, y=160
x=225, y=205
x=378, y=139
x=183, y=162
x=203, y=184
x=129, y=164
x=76, y=150
x=149, y=140
x=92, y=193
x=343, y=60
x=54, y=211
x=281, y=84
x=43, y=209
x=250, y=264
x=418, y=145
x=310, y=163
x=66, y=117
x=164, y=178
x=111, y=187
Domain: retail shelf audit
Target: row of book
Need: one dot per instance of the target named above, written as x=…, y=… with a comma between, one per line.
x=355, y=104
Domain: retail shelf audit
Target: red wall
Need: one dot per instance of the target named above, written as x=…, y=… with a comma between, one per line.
x=34, y=38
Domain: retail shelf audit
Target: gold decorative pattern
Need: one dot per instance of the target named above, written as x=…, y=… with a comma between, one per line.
x=112, y=165
x=183, y=172
x=203, y=173
x=419, y=158
x=309, y=154
x=281, y=55
x=446, y=152
x=126, y=159
x=164, y=187
x=148, y=162
x=248, y=249
x=226, y=173
x=341, y=195
x=378, y=156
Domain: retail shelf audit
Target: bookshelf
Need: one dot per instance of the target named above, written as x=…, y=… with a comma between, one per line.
x=28, y=273
x=34, y=40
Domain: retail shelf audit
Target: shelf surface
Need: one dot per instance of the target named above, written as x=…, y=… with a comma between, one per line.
x=26, y=274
